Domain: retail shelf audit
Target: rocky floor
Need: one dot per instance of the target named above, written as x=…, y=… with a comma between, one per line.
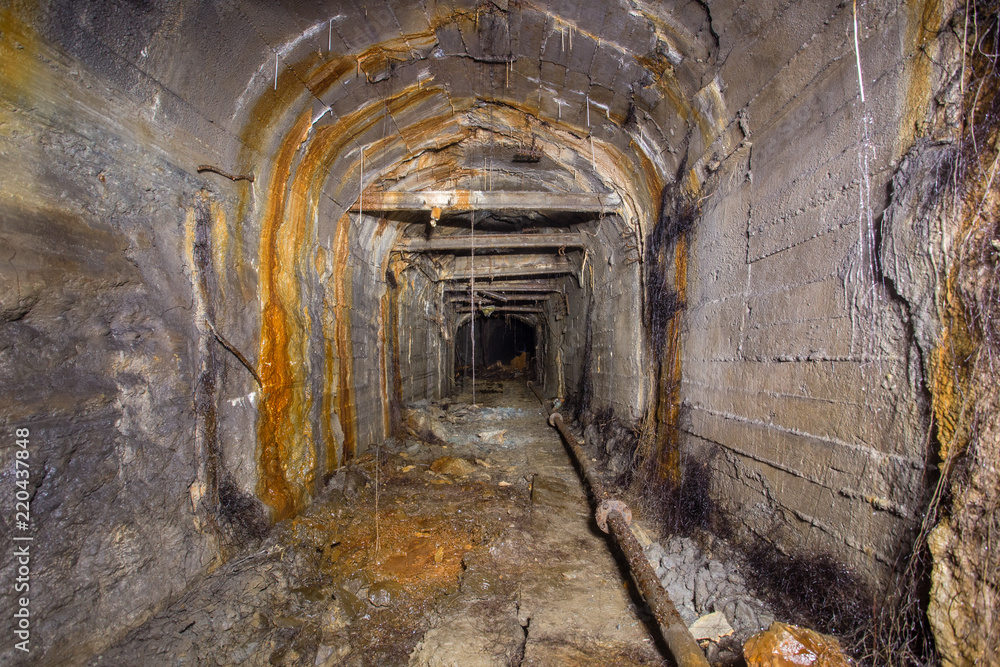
x=476, y=548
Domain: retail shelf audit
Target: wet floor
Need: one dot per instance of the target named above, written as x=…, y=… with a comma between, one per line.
x=474, y=549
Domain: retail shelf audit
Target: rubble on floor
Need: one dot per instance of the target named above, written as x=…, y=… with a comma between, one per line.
x=710, y=595
x=453, y=550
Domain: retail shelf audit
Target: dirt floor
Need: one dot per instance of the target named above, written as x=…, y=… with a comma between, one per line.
x=474, y=549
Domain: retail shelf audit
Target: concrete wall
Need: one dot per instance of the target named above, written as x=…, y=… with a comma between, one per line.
x=803, y=384
x=604, y=351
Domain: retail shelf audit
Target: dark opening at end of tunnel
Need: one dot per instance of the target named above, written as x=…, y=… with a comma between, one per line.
x=499, y=346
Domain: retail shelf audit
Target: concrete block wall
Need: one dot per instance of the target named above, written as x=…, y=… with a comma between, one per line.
x=802, y=386
x=608, y=303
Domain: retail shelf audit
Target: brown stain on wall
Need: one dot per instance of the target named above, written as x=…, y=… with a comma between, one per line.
x=18, y=53
x=668, y=461
x=924, y=22
x=288, y=452
x=343, y=301
x=282, y=405
x=668, y=444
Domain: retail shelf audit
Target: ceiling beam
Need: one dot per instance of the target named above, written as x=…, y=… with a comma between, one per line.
x=506, y=298
x=492, y=200
x=506, y=309
x=505, y=266
x=527, y=285
x=492, y=241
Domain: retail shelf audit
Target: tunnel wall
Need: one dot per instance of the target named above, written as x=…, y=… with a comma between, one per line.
x=103, y=349
x=132, y=319
x=425, y=346
x=802, y=385
x=602, y=340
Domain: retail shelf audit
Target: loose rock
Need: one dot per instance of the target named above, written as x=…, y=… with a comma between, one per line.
x=785, y=645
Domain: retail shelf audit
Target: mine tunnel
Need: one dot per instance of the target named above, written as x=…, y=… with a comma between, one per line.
x=499, y=332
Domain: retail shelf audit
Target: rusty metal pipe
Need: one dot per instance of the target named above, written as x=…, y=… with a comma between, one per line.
x=617, y=517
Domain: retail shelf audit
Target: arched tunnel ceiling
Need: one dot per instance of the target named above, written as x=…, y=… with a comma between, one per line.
x=437, y=95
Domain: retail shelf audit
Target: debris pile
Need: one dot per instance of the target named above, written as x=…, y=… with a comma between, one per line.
x=710, y=595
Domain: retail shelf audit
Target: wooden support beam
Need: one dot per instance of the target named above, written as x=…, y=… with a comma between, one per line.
x=453, y=242
x=507, y=298
x=507, y=287
x=493, y=200
x=505, y=309
x=505, y=266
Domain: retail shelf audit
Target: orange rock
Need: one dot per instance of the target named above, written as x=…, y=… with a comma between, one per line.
x=784, y=645
x=520, y=362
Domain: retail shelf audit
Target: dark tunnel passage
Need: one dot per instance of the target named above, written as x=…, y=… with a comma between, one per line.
x=498, y=341
x=273, y=277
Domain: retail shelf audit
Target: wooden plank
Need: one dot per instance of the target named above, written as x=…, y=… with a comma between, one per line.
x=507, y=309
x=506, y=298
x=526, y=285
x=504, y=266
x=491, y=241
x=493, y=200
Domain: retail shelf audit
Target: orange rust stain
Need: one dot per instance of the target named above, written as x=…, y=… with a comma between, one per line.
x=276, y=426
x=668, y=444
x=18, y=57
x=653, y=182
x=347, y=410
x=923, y=26
x=951, y=368
x=287, y=448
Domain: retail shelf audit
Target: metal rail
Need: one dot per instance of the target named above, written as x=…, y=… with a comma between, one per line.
x=614, y=517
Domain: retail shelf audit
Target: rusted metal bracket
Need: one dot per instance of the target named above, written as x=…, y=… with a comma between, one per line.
x=682, y=645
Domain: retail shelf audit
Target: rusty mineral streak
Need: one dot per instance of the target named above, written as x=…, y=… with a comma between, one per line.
x=346, y=408
x=924, y=22
x=275, y=427
x=288, y=453
x=668, y=456
x=18, y=48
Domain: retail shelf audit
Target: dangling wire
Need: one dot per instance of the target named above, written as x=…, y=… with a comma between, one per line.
x=472, y=299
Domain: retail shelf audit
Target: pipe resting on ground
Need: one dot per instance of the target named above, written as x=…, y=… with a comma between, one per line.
x=617, y=517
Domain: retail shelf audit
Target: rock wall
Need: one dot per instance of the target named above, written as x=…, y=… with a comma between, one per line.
x=102, y=351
